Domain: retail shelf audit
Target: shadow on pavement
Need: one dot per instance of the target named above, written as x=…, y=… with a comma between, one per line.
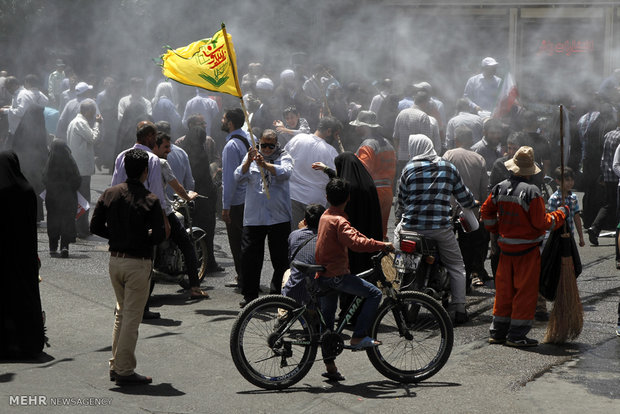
x=159, y=390
x=42, y=358
x=219, y=314
x=162, y=322
x=370, y=390
x=8, y=377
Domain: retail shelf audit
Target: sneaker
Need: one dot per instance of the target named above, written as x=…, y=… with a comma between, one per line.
x=618, y=330
x=592, y=236
x=64, y=252
x=521, y=342
x=497, y=341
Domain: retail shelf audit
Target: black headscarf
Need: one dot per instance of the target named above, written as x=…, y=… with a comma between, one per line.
x=21, y=323
x=363, y=208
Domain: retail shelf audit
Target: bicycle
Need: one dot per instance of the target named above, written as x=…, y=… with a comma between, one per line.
x=274, y=340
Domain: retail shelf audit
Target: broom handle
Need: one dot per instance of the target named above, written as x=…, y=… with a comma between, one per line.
x=562, y=189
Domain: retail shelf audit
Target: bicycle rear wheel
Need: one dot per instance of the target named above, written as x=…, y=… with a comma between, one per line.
x=270, y=347
x=423, y=346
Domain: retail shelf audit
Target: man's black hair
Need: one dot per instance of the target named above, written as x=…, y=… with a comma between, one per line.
x=145, y=129
x=337, y=191
x=236, y=116
x=313, y=214
x=136, y=161
x=163, y=126
x=492, y=123
x=290, y=110
x=161, y=137
x=328, y=122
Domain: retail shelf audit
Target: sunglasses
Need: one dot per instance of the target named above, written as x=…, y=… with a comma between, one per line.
x=267, y=145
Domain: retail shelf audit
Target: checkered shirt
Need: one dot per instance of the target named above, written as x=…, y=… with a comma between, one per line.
x=612, y=139
x=573, y=204
x=424, y=194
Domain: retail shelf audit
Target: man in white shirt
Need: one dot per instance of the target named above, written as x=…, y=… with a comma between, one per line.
x=81, y=140
x=137, y=89
x=482, y=90
x=22, y=99
x=307, y=186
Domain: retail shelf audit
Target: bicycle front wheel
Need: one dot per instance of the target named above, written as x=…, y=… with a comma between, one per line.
x=271, y=346
x=412, y=349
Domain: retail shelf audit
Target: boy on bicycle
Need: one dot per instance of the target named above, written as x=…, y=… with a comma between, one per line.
x=335, y=237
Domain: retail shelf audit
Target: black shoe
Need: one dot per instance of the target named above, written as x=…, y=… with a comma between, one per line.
x=521, y=342
x=497, y=341
x=458, y=318
x=592, y=236
x=64, y=252
x=151, y=315
x=243, y=303
x=214, y=269
x=112, y=375
x=133, y=379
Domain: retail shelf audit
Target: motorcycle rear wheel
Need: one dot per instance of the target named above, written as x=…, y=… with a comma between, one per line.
x=201, y=254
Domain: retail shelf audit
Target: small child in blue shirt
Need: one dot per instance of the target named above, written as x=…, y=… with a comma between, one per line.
x=555, y=201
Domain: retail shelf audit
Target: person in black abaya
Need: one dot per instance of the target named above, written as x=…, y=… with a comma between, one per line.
x=21, y=320
x=30, y=145
x=62, y=181
x=204, y=212
x=363, y=209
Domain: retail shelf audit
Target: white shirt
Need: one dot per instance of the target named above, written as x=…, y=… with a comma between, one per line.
x=307, y=185
x=124, y=102
x=22, y=99
x=81, y=140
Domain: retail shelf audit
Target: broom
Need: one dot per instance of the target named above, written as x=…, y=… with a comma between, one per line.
x=566, y=319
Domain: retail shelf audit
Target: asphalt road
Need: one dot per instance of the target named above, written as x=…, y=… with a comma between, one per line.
x=187, y=353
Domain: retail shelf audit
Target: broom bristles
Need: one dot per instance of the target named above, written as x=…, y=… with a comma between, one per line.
x=566, y=320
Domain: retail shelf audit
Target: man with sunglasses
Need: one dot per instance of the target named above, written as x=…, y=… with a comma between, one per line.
x=265, y=216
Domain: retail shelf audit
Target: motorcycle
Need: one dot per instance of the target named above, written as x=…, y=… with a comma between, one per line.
x=169, y=264
x=418, y=263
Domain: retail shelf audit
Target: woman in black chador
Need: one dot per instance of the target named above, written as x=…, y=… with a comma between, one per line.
x=21, y=320
x=62, y=180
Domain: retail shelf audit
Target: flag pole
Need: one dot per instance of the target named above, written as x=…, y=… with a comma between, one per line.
x=245, y=111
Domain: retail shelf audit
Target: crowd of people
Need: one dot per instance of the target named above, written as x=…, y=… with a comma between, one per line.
x=308, y=143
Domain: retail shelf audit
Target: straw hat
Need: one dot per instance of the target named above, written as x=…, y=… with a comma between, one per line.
x=523, y=162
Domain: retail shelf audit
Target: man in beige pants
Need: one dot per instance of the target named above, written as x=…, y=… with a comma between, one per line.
x=131, y=218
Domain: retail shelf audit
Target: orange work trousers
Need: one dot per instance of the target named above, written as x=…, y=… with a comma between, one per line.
x=516, y=286
x=385, y=201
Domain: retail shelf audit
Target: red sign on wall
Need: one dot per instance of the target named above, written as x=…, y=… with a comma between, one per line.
x=568, y=47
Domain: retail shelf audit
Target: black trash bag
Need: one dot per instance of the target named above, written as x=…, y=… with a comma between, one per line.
x=551, y=262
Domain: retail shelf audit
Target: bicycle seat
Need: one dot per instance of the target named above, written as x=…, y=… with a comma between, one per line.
x=307, y=268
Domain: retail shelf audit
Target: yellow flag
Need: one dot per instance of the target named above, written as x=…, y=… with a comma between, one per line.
x=208, y=63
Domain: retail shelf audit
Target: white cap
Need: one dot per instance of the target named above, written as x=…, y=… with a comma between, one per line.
x=82, y=87
x=264, y=84
x=488, y=61
x=287, y=74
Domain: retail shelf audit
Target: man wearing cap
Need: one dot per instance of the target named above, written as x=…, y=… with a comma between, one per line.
x=81, y=140
x=515, y=210
x=83, y=90
x=379, y=158
x=201, y=104
x=266, y=113
x=482, y=90
x=54, y=83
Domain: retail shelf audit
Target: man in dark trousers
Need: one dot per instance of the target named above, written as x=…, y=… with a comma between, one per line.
x=131, y=218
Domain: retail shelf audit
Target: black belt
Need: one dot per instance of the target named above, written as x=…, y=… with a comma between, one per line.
x=128, y=256
x=521, y=252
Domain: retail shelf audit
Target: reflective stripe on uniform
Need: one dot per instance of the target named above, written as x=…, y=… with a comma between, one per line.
x=508, y=240
x=490, y=222
x=503, y=198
